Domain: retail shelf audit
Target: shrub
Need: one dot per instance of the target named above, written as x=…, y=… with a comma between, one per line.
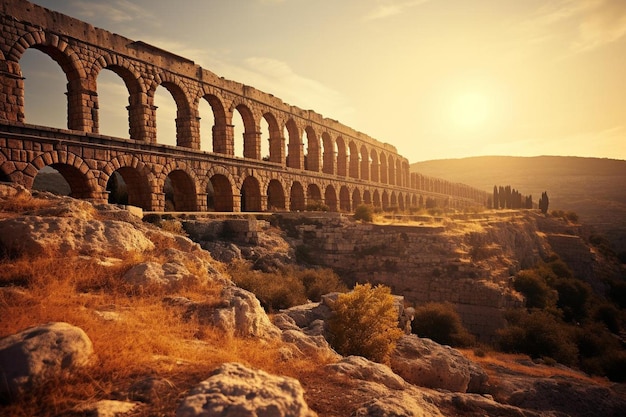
x=573, y=297
x=318, y=282
x=364, y=212
x=538, y=334
x=317, y=206
x=441, y=323
x=534, y=289
x=274, y=290
x=365, y=323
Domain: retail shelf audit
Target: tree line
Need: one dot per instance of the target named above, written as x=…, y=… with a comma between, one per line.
x=505, y=197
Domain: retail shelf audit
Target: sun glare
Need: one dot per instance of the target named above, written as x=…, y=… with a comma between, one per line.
x=470, y=110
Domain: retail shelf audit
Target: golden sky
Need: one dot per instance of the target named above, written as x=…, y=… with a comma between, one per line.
x=435, y=78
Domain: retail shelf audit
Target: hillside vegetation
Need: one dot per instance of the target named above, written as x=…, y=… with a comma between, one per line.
x=592, y=187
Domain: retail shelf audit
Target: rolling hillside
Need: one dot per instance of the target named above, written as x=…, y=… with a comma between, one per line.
x=592, y=187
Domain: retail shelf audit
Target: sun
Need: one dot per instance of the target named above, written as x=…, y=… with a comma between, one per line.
x=470, y=110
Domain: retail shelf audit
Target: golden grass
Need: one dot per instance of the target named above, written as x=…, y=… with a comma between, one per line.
x=496, y=363
x=22, y=203
x=142, y=336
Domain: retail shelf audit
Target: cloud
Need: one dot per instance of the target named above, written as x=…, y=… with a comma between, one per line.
x=117, y=11
x=590, y=23
x=278, y=78
x=388, y=8
x=604, y=24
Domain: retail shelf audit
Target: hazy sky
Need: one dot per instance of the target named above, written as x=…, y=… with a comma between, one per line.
x=435, y=78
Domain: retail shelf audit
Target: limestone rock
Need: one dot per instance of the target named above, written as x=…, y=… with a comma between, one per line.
x=357, y=367
x=41, y=352
x=243, y=315
x=36, y=234
x=8, y=190
x=397, y=404
x=149, y=274
x=425, y=363
x=107, y=408
x=236, y=391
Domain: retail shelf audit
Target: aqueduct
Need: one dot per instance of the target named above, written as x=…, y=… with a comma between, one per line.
x=338, y=167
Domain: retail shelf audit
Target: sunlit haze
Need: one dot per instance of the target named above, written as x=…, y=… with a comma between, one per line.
x=435, y=78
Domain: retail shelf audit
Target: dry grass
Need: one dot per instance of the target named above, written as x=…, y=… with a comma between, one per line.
x=142, y=336
x=23, y=203
x=497, y=364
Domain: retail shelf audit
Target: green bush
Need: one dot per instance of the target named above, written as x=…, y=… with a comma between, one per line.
x=274, y=290
x=364, y=212
x=573, y=298
x=538, y=334
x=318, y=282
x=286, y=288
x=364, y=322
x=441, y=323
x=533, y=287
x=317, y=206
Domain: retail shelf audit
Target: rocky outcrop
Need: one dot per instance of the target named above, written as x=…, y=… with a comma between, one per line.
x=235, y=390
x=36, y=234
x=357, y=367
x=106, y=408
x=40, y=353
x=425, y=363
x=242, y=315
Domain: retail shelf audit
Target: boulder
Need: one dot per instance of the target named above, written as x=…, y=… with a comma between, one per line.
x=36, y=235
x=425, y=363
x=150, y=274
x=106, y=408
x=357, y=367
x=304, y=315
x=39, y=353
x=237, y=391
x=398, y=404
x=242, y=315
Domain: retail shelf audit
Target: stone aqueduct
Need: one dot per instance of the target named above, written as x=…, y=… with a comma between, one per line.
x=340, y=167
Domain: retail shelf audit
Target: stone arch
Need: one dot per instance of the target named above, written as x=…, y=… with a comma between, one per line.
x=344, y=199
x=393, y=201
x=401, y=202
x=296, y=197
x=137, y=97
x=250, y=194
x=251, y=135
x=275, y=196
x=342, y=157
x=295, y=157
x=376, y=199
x=314, y=195
x=219, y=189
x=391, y=176
x=328, y=157
x=384, y=171
x=137, y=179
x=276, y=140
x=183, y=194
x=219, y=136
x=384, y=200
x=184, y=118
x=330, y=198
x=414, y=201
x=75, y=170
x=374, y=166
x=365, y=163
x=354, y=160
x=367, y=197
x=313, y=154
x=356, y=198
x=78, y=115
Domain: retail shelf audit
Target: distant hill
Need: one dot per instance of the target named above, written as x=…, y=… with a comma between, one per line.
x=594, y=188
